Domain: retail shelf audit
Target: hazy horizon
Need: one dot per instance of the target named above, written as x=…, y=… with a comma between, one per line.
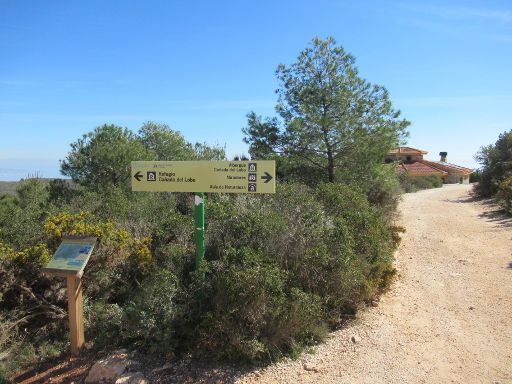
x=17, y=169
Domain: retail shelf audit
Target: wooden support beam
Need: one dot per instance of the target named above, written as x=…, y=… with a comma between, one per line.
x=76, y=314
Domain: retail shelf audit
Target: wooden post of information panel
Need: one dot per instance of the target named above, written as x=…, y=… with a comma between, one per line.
x=69, y=261
x=76, y=314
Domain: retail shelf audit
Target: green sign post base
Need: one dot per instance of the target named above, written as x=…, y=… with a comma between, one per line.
x=199, y=227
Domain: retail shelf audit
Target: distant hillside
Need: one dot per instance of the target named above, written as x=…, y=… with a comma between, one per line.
x=8, y=187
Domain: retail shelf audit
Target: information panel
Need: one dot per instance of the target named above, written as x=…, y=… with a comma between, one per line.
x=257, y=176
x=71, y=257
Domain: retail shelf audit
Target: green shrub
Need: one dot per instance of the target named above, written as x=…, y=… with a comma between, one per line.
x=17, y=351
x=21, y=217
x=279, y=269
x=496, y=165
x=476, y=176
x=383, y=190
x=103, y=322
x=283, y=268
x=20, y=355
x=505, y=194
x=362, y=229
x=416, y=183
x=148, y=319
x=254, y=314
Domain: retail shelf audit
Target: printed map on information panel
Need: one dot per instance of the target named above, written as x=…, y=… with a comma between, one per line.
x=71, y=256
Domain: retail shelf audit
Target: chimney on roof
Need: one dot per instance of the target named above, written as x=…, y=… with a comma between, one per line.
x=443, y=156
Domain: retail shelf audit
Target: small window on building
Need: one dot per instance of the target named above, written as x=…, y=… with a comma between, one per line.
x=408, y=158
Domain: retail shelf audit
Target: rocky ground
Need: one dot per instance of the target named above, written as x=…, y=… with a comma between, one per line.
x=447, y=318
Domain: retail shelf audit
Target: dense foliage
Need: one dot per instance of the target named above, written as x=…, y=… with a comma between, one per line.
x=505, y=194
x=496, y=172
x=279, y=271
x=417, y=183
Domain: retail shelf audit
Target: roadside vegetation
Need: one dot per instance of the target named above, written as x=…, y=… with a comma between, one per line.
x=495, y=175
x=418, y=183
x=280, y=270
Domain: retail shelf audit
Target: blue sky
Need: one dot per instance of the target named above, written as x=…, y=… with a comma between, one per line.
x=67, y=67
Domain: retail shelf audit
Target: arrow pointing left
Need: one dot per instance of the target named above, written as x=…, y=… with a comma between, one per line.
x=138, y=176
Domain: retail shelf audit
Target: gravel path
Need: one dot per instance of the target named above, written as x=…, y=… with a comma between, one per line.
x=448, y=317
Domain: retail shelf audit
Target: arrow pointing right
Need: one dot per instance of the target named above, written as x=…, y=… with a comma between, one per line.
x=267, y=177
x=138, y=176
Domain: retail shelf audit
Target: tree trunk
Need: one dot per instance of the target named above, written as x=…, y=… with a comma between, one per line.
x=330, y=165
x=330, y=155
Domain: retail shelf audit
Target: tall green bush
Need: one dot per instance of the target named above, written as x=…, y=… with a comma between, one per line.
x=284, y=268
x=505, y=194
x=496, y=162
x=417, y=183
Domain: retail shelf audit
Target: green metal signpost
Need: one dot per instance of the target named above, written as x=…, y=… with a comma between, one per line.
x=199, y=225
x=253, y=177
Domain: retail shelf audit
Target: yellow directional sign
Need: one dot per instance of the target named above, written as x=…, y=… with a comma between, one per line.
x=256, y=176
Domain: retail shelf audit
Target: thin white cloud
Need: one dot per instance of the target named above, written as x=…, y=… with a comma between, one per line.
x=477, y=23
x=461, y=12
x=471, y=13
x=453, y=101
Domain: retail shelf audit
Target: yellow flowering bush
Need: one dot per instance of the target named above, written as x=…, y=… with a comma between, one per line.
x=77, y=224
x=120, y=242
x=38, y=254
x=142, y=250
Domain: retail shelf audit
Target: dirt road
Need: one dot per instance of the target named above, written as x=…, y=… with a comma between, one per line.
x=448, y=318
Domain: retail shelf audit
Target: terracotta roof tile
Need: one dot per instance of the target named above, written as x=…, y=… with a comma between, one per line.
x=421, y=169
x=448, y=167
